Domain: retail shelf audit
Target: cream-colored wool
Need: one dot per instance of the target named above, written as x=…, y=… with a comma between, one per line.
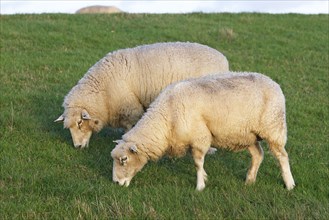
x=233, y=110
x=117, y=89
x=98, y=9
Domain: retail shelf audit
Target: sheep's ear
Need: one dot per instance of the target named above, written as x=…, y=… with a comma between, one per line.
x=133, y=149
x=117, y=141
x=59, y=119
x=85, y=115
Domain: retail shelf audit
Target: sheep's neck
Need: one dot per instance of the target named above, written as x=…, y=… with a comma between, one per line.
x=151, y=134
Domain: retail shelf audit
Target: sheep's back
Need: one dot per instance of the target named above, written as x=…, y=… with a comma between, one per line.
x=153, y=67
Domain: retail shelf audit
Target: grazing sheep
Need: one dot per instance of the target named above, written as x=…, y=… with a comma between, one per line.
x=98, y=9
x=233, y=111
x=117, y=89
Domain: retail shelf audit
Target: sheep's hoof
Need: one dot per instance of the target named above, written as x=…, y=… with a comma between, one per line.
x=212, y=150
x=250, y=181
x=200, y=188
x=290, y=187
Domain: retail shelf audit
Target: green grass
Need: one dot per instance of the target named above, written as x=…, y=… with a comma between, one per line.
x=42, y=176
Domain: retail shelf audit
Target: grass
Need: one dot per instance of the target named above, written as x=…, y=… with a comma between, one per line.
x=42, y=176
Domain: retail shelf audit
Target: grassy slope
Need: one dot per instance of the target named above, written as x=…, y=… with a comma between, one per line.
x=43, y=56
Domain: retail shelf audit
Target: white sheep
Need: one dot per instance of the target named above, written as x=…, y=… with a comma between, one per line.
x=99, y=9
x=233, y=111
x=117, y=89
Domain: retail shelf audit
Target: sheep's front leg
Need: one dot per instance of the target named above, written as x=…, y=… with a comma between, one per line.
x=130, y=112
x=198, y=157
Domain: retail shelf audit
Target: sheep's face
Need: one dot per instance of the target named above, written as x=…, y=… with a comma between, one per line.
x=81, y=125
x=127, y=161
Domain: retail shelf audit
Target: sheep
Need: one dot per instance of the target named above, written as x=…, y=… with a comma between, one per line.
x=98, y=9
x=118, y=89
x=233, y=111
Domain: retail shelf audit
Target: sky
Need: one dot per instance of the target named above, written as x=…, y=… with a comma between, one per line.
x=159, y=6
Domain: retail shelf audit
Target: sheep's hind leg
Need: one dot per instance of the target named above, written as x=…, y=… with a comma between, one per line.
x=198, y=157
x=281, y=154
x=257, y=156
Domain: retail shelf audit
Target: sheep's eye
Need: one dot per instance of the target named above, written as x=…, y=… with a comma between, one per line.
x=123, y=160
x=80, y=123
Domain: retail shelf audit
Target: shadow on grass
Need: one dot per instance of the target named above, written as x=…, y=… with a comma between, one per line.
x=98, y=154
x=181, y=171
x=46, y=107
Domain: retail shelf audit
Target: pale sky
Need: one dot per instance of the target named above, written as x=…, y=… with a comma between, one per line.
x=158, y=6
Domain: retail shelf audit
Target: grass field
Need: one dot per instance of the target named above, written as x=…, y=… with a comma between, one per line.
x=43, y=177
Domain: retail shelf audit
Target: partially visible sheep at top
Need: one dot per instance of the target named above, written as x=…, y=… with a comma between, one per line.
x=98, y=9
x=118, y=89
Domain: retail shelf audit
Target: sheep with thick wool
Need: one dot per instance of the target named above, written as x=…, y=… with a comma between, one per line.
x=233, y=111
x=117, y=89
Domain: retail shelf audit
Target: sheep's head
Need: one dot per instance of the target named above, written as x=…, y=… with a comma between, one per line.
x=127, y=161
x=81, y=125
